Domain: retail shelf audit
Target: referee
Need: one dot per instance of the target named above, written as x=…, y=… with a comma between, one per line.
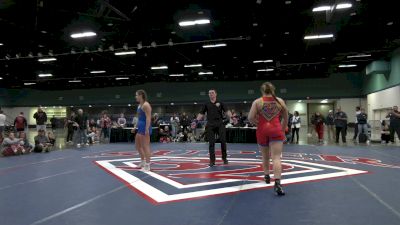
x=215, y=124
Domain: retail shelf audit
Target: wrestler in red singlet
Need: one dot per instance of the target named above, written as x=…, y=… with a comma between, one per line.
x=266, y=113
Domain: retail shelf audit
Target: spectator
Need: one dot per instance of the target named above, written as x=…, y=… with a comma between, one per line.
x=362, y=122
x=385, y=133
x=41, y=118
x=2, y=121
x=174, y=124
x=165, y=135
x=20, y=123
x=134, y=121
x=394, y=125
x=70, y=127
x=296, y=124
x=290, y=119
x=155, y=121
x=356, y=133
x=12, y=145
x=93, y=135
x=81, y=122
x=52, y=138
x=330, y=123
x=92, y=124
x=340, y=124
x=53, y=122
x=105, y=126
x=185, y=122
x=121, y=121
x=312, y=127
x=25, y=143
x=319, y=126
x=42, y=142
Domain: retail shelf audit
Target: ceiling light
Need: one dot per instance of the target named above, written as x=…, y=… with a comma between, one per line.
x=27, y=84
x=214, y=45
x=205, y=73
x=194, y=22
x=43, y=32
x=122, y=78
x=84, y=34
x=125, y=53
x=159, y=67
x=358, y=56
x=347, y=66
x=321, y=36
x=109, y=105
x=98, y=71
x=263, y=61
x=47, y=59
x=344, y=6
x=195, y=103
x=324, y=101
x=90, y=106
x=1, y=78
x=177, y=75
x=288, y=2
x=265, y=70
x=299, y=101
x=129, y=105
x=1, y=44
x=390, y=23
x=45, y=75
x=287, y=32
x=74, y=81
x=322, y=8
x=193, y=65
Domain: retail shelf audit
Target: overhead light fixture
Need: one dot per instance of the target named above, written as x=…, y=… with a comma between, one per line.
x=90, y=106
x=320, y=36
x=28, y=84
x=344, y=6
x=263, y=61
x=193, y=65
x=1, y=44
x=322, y=8
x=126, y=53
x=122, y=78
x=195, y=103
x=177, y=75
x=129, y=105
x=83, y=34
x=98, y=71
x=358, y=56
x=194, y=22
x=390, y=23
x=214, y=45
x=159, y=67
x=45, y=75
x=299, y=101
x=74, y=81
x=347, y=66
x=265, y=70
x=1, y=78
x=109, y=105
x=205, y=73
x=47, y=60
x=324, y=101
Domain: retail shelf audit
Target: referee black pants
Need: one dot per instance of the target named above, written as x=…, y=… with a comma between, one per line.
x=212, y=130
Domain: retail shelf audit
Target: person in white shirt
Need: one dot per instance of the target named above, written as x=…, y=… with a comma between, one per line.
x=2, y=121
x=296, y=124
x=121, y=121
x=174, y=124
x=358, y=111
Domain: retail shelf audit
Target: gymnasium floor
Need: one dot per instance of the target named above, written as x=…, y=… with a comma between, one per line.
x=100, y=185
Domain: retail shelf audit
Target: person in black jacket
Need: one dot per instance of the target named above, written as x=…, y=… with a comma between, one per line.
x=215, y=124
x=41, y=118
x=362, y=122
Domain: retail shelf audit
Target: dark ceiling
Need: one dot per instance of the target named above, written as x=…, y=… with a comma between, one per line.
x=252, y=30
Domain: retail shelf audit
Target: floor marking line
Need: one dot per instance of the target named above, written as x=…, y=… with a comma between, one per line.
x=376, y=197
x=77, y=206
x=37, y=179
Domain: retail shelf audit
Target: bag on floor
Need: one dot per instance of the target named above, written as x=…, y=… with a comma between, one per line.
x=362, y=138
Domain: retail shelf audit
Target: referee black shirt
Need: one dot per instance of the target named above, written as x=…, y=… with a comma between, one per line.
x=214, y=112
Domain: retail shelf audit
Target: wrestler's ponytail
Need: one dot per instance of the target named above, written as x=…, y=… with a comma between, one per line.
x=268, y=88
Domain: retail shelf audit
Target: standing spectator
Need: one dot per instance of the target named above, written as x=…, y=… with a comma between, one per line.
x=174, y=125
x=185, y=122
x=81, y=122
x=358, y=111
x=41, y=118
x=319, y=126
x=70, y=127
x=121, y=121
x=290, y=118
x=340, y=124
x=20, y=123
x=385, y=133
x=296, y=124
x=134, y=121
x=394, y=125
x=362, y=121
x=2, y=121
x=105, y=126
x=155, y=121
x=330, y=123
x=12, y=145
x=42, y=142
x=53, y=122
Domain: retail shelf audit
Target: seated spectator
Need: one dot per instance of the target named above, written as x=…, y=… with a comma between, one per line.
x=42, y=142
x=52, y=138
x=385, y=133
x=165, y=135
x=12, y=145
x=93, y=135
x=121, y=121
x=25, y=143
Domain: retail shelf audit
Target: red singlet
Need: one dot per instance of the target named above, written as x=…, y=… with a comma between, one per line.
x=269, y=127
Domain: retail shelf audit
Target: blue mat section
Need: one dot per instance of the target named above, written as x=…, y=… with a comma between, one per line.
x=67, y=187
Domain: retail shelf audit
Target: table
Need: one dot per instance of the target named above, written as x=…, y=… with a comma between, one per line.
x=125, y=135
x=241, y=135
